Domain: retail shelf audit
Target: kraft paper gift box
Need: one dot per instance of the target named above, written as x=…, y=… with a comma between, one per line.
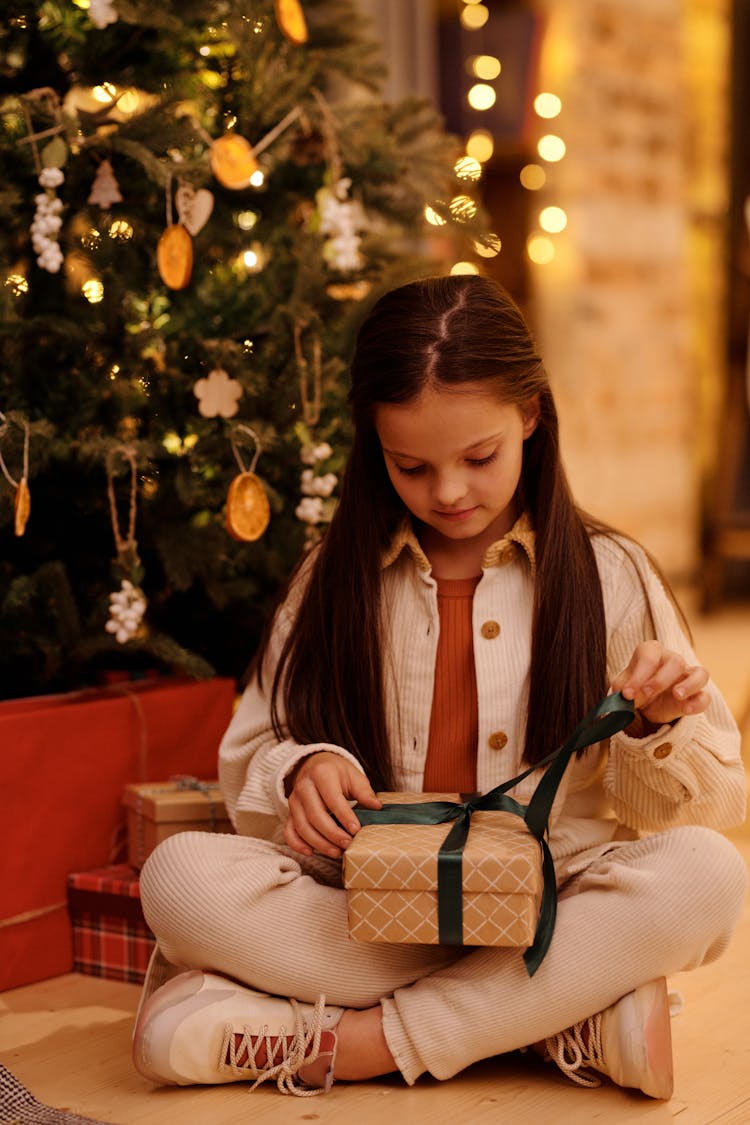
x=391, y=876
x=476, y=870
x=110, y=935
x=182, y=804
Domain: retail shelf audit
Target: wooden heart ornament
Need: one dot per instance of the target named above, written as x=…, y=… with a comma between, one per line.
x=193, y=207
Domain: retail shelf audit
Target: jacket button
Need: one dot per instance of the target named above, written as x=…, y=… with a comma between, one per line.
x=663, y=750
x=490, y=630
x=498, y=740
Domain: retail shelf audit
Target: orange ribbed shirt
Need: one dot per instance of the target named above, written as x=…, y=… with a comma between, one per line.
x=451, y=765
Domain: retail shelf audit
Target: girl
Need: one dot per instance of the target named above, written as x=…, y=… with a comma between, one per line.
x=459, y=618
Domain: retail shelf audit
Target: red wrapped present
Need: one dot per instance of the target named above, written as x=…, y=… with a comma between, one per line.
x=110, y=935
x=65, y=762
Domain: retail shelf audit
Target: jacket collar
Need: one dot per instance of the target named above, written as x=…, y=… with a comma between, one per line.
x=520, y=536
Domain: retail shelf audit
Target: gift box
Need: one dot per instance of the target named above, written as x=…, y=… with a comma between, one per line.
x=110, y=936
x=390, y=872
x=181, y=804
x=64, y=763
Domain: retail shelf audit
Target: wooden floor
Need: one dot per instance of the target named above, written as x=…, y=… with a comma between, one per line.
x=68, y=1039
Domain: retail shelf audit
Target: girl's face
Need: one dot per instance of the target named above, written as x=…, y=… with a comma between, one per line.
x=454, y=458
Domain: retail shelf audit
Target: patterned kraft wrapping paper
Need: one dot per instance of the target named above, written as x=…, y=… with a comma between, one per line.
x=390, y=873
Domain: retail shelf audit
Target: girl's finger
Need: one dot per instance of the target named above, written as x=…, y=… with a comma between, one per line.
x=694, y=680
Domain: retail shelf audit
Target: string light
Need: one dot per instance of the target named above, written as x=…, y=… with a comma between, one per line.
x=463, y=208
x=481, y=96
x=541, y=250
x=246, y=220
x=474, y=16
x=121, y=230
x=486, y=67
x=533, y=177
x=553, y=220
x=17, y=284
x=93, y=290
x=551, y=147
x=258, y=178
x=547, y=105
x=490, y=248
x=468, y=168
x=432, y=216
x=106, y=92
x=463, y=267
x=480, y=145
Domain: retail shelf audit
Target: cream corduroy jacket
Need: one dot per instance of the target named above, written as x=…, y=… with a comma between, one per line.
x=690, y=772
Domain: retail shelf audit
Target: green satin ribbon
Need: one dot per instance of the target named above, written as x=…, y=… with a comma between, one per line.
x=613, y=714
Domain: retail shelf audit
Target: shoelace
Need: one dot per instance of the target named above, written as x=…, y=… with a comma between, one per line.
x=572, y=1053
x=285, y=1054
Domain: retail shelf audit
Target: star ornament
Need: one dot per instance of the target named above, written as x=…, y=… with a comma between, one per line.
x=218, y=394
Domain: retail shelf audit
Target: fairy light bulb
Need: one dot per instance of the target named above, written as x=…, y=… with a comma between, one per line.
x=490, y=248
x=474, y=16
x=547, y=105
x=551, y=147
x=541, y=250
x=463, y=208
x=532, y=177
x=553, y=220
x=433, y=218
x=463, y=268
x=468, y=168
x=486, y=67
x=480, y=145
x=481, y=96
x=93, y=290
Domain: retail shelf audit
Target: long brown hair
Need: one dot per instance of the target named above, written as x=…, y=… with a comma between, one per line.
x=444, y=331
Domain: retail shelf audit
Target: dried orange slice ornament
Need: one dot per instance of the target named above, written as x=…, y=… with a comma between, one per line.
x=248, y=511
x=174, y=256
x=21, y=507
x=291, y=19
x=233, y=161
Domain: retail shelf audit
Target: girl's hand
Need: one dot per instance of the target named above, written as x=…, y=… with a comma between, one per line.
x=321, y=789
x=662, y=684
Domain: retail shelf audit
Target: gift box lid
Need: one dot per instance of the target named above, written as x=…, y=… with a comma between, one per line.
x=500, y=855
x=117, y=879
x=181, y=799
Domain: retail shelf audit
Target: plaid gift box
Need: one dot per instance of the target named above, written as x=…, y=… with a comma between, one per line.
x=182, y=804
x=110, y=936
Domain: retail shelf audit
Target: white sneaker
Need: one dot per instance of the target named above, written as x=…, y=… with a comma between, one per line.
x=204, y=1028
x=631, y=1042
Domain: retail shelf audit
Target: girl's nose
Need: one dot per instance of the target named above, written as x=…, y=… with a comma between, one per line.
x=449, y=490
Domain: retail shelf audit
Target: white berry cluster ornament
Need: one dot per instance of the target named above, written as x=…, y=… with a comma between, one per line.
x=126, y=609
x=341, y=219
x=315, y=487
x=102, y=13
x=47, y=221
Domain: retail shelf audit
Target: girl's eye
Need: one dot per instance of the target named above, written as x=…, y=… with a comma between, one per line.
x=411, y=472
x=483, y=460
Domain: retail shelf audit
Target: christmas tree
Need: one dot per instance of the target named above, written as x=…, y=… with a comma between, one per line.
x=199, y=202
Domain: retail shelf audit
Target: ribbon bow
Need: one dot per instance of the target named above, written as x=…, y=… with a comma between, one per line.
x=611, y=715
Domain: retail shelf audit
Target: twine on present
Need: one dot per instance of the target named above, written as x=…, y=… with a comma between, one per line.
x=31, y=915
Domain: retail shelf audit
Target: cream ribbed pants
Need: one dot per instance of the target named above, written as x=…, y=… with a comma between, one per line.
x=277, y=921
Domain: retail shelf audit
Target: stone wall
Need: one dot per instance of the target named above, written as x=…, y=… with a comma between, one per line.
x=628, y=333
